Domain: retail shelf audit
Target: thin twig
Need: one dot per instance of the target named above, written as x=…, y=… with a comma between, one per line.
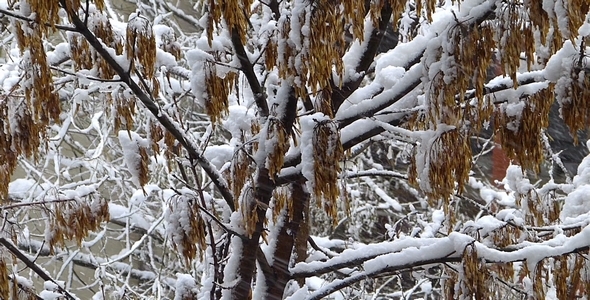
x=22, y=257
x=57, y=26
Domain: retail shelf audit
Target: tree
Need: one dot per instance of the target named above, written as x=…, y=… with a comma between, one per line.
x=274, y=152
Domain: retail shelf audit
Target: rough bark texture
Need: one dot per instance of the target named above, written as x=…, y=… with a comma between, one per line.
x=286, y=242
x=263, y=188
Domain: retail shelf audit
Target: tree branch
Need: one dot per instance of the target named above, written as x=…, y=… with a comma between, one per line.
x=248, y=69
x=31, y=265
x=57, y=26
x=160, y=115
x=339, y=95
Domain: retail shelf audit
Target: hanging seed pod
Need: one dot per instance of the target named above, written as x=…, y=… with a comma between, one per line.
x=327, y=154
x=217, y=91
x=520, y=134
x=240, y=172
x=185, y=227
x=74, y=219
x=4, y=278
x=277, y=135
x=280, y=201
x=140, y=44
x=46, y=12
x=102, y=28
x=322, y=57
x=81, y=53
x=249, y=207
x=475, y=281
x=124, y=110
x=575, y=104
x=156, y=134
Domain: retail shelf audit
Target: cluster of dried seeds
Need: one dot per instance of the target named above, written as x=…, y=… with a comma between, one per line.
x=520, y=136
x=140, y=45
x=73, y=220
x=189, y=238
x=327, y=158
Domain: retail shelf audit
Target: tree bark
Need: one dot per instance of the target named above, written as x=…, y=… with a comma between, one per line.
x=264, y=185
x=285, y=243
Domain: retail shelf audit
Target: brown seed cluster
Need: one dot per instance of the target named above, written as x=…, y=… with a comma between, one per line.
x=4, y=279
x=73, y=220
x=520, y=135
x=240, y=173
x=234, y=13
x=576, y=111
x=124, y=110
x=24, y=119
x=156, y=134
x=170, y=45
x=241, y=169
x=217, y=91
x=81, y=52
x=140, y=45
x=189, y=238
x=468, y=55
x=476, y=276
x=281, y=200
x=326, y=45
x=515, y=35
x=103, y=29
x=249, y=207
x=327, y=158
x=46, y=12
x=570, y=276
x=450, y=162
x=278, y=134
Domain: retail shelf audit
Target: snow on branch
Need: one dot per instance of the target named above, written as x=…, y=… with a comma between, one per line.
x=411, y=253
x=173, y=127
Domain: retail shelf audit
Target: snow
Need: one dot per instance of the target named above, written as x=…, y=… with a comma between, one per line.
x=131, y=143
x=49, y=295
x=185, y=287
x=561, y=62
x=300, y=294
x=489, y=194
x=408, y=82
x=561, y=14
x=577, y=202
x=516, y=181
x=391, y=202
x=197, y=59
x=362, y=252
x=136, y=219
x=533, y=253
x=308, y=124
x=353, y=56
x=401, y=54
x=239, y=120
x=231, y=268
x=389, y=76
x=20, y=188
x=60, y=53
x=52, y=286
x=435, y=248
x=219, y=155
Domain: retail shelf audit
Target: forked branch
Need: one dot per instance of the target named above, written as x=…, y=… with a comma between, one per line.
x=162, y=117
